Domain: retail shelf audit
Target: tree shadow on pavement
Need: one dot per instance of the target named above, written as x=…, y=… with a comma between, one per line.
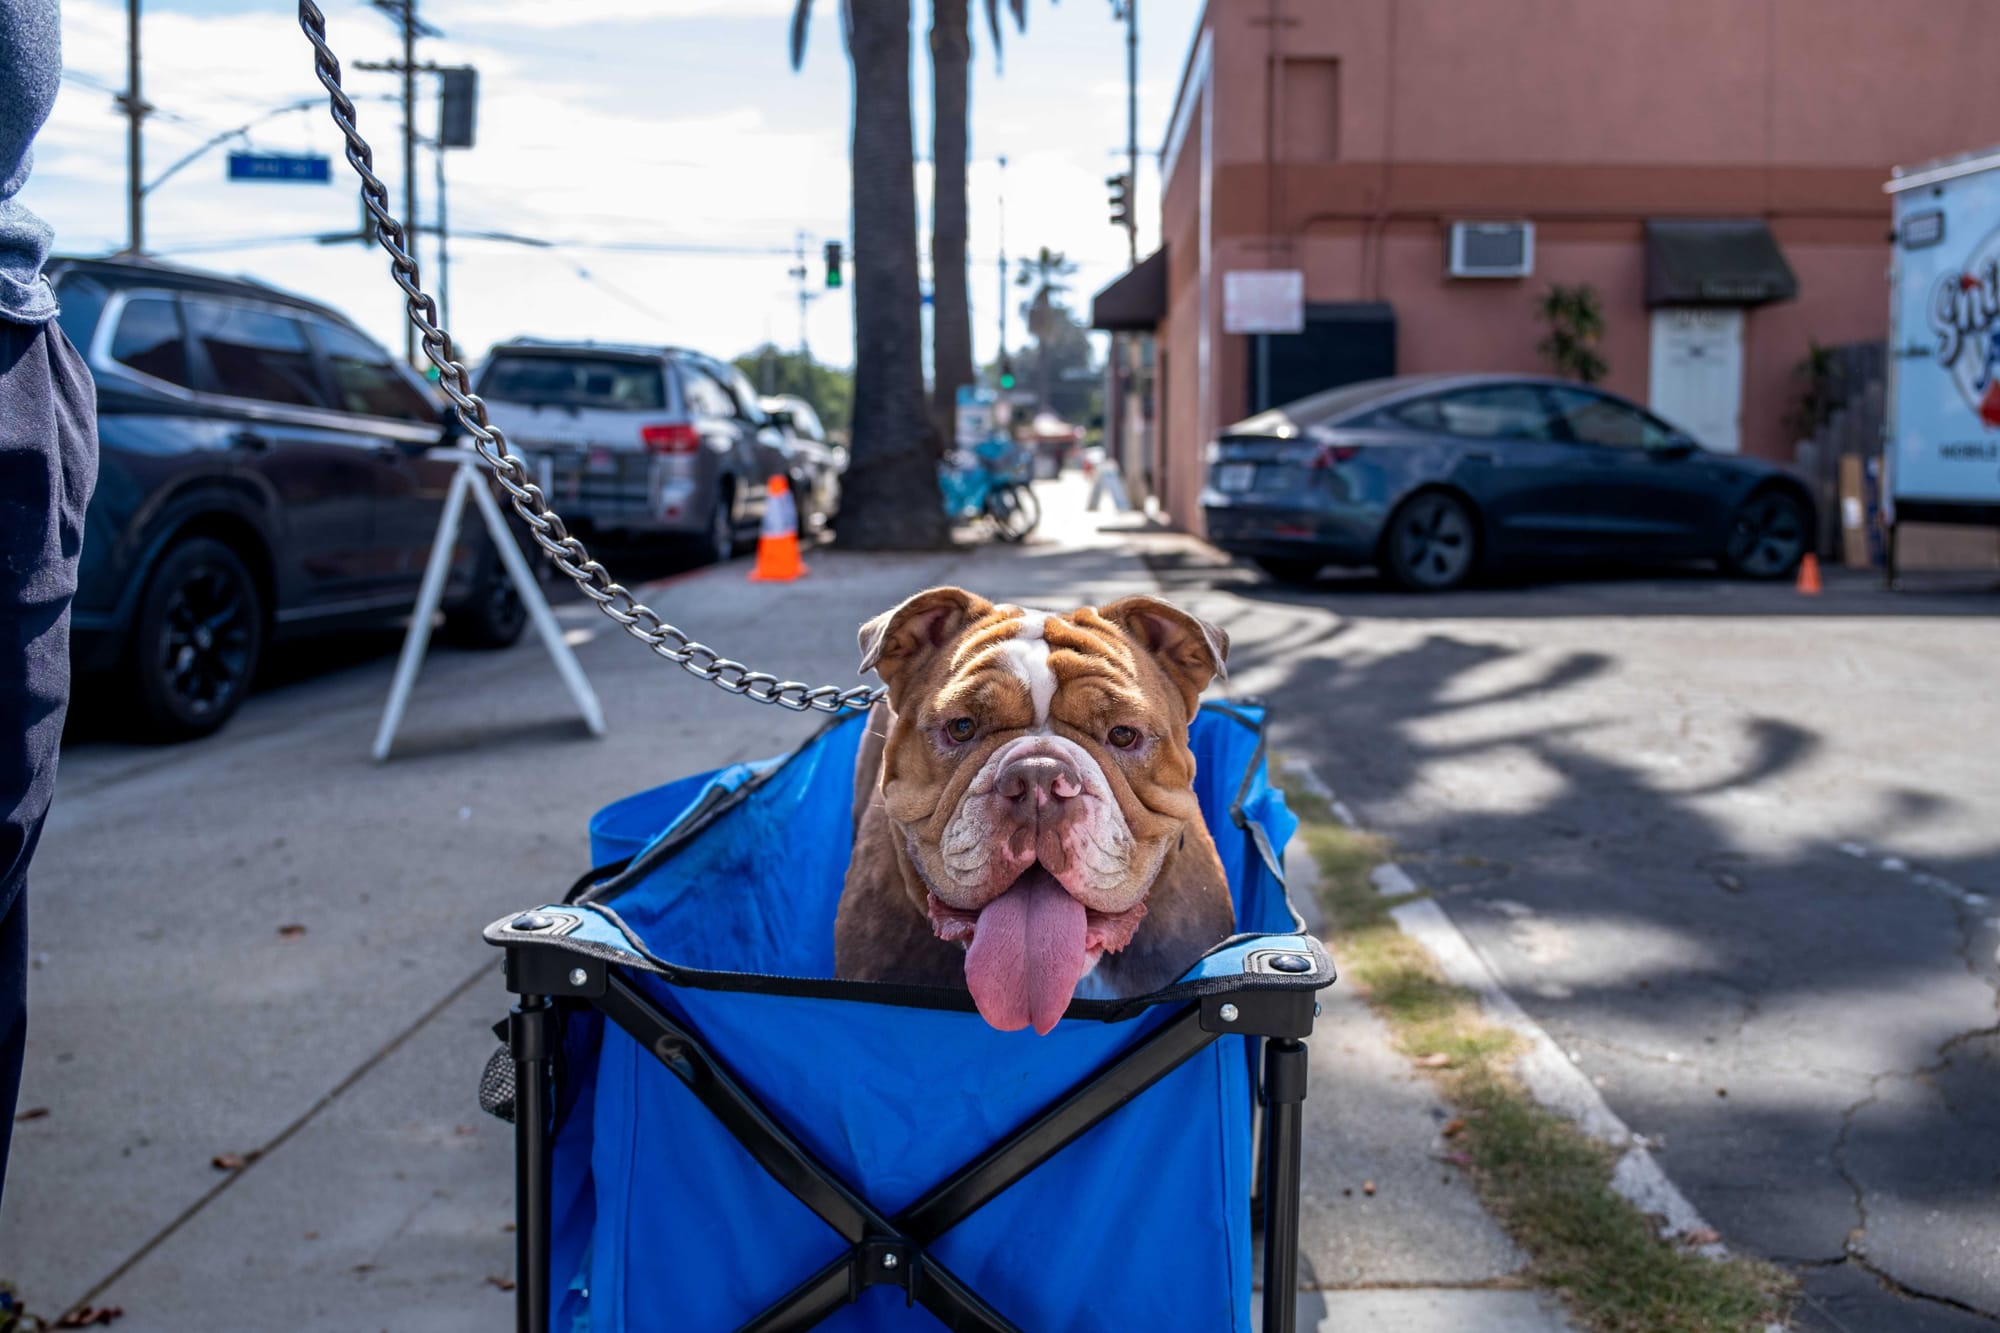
x=1805, y=1027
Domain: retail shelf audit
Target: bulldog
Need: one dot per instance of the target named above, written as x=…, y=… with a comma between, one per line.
x=1025, y=818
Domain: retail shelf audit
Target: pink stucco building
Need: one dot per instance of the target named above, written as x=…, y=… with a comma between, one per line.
x=1713, y=168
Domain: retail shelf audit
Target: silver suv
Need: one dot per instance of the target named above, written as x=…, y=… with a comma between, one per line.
x=633, y=440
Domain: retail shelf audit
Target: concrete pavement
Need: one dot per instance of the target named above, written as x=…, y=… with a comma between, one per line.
x=1738, y=851
x=177, y=1016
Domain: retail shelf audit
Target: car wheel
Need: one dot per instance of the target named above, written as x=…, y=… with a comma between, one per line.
x=1291, y=570
x=1432, y=543
x=197, y=639
x=720, y=543
x=494, y=615
x=805, y=497
x=1768, y=538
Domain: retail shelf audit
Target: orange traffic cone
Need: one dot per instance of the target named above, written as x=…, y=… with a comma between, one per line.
x=1808, y=584
x=778, y=543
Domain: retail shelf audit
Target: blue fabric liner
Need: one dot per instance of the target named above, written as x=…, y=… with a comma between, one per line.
x=663, y=1222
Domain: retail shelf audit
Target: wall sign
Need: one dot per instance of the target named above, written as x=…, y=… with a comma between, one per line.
x=1264, y=301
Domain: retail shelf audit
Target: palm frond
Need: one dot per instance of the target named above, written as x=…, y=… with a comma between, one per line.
x=801, y=16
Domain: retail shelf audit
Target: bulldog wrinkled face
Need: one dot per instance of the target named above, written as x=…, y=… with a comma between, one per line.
x=1039, y=774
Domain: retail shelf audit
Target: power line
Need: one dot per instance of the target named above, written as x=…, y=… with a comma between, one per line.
x=100, y=86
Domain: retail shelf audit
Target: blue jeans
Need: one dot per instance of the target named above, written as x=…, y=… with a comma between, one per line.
x=48, y=466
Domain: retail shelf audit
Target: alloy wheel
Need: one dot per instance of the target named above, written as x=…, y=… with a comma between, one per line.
x=1432, y=542
x=1769, y=537
x=207, y=640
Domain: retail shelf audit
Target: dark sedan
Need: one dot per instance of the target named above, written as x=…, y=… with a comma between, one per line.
x=1432, y=478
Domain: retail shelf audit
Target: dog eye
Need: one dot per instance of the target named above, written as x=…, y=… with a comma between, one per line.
x=960, y=729
x=1123, y=738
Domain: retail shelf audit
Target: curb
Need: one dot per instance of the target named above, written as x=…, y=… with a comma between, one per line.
x=1551, y=1077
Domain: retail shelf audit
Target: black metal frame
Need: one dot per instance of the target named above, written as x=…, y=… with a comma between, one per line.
x=892, y=1250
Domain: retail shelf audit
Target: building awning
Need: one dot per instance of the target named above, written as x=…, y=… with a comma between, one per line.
x=1137, y=302
x=1728, y=261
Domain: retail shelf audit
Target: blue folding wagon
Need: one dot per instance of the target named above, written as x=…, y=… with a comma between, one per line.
x=712, y=1133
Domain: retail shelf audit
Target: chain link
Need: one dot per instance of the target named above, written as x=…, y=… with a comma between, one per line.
x=547, y=528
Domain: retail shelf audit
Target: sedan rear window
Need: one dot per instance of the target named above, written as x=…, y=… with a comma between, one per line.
x=1489, y=412
x=575, y=381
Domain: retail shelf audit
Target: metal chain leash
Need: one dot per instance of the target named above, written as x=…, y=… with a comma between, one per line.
x=563, y=548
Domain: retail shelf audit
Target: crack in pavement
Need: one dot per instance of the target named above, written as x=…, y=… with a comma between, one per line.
x=1857, y=1235
x=1889, y=1284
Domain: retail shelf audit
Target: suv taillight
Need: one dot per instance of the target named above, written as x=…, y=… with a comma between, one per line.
x=679, y=438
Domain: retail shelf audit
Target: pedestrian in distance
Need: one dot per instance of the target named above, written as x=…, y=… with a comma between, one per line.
x=48, y=465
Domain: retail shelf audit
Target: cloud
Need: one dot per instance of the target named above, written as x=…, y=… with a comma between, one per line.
x=559, y=14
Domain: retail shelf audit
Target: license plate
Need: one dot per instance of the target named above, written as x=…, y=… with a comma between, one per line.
x=1235, y=477
x=601, y=461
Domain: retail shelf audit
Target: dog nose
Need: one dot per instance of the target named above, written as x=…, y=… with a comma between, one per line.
x=1040, y=778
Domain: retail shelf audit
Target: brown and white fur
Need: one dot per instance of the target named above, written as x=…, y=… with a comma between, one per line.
x=1018, y=747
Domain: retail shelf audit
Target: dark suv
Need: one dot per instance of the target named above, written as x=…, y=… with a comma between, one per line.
x=264, y=471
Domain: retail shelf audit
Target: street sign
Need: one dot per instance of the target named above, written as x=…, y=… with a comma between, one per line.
x=1264, y=301
x=303, y=168
x=975, y=415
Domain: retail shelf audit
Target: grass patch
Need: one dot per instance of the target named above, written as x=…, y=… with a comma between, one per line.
x=1546, y=1182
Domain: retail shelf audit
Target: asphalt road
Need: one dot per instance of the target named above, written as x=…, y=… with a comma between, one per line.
x=1737, y=850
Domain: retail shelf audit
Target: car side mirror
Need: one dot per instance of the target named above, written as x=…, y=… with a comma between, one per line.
x=1679, y=446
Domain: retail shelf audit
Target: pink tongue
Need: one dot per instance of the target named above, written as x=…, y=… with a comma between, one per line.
x=1027, y=954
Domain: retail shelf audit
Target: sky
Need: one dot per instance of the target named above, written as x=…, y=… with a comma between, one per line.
x=601, y=123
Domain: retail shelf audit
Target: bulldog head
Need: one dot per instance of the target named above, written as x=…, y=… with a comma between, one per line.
x=1037, y=772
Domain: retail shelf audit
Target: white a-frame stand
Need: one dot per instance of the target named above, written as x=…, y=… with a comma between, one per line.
x=468, y=480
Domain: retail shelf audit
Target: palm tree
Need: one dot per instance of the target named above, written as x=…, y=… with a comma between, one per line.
x=891, y=495
x=951, y=305
x=1045, y=273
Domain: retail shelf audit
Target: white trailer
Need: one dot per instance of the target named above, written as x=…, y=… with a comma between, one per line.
x=1943, y=420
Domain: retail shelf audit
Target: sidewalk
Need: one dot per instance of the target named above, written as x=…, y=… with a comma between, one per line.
x=173, y=1022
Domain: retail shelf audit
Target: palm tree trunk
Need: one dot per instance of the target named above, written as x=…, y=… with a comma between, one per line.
x=891, y=493
x=951, y=310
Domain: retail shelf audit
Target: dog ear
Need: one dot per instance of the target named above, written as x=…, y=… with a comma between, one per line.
x=894, y=640
x=1193, y=651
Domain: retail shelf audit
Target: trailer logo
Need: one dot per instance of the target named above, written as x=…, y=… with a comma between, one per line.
x=1965, y=314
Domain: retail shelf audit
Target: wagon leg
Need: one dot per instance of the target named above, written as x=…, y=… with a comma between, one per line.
x=1284, y=1093
x=529, y=1037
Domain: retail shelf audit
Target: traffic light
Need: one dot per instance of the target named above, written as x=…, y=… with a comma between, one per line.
x=1006, y=371
x=1121, y=199
x=833, y=279
x=458, y=105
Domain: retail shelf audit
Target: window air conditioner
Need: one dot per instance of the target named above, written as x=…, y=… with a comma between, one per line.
x=1492, y=249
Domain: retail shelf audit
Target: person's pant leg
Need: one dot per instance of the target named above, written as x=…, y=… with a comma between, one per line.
x=13, y=1017
x=48, y=467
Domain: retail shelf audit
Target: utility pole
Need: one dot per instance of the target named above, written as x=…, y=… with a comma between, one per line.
x=410, y=154
x=1003, y=257
x=800, y=273
x=405, y=14
x=1132, y=128
x=135, y=109
x=1124, y=405
x=443, y=231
